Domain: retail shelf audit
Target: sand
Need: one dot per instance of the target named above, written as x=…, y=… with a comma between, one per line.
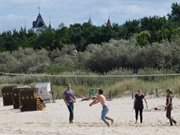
x=54, y=119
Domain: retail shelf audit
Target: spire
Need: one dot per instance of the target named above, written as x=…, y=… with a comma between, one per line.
x=90, y=21
x=39, y=9
x=39, y=6
x=49, y=23
x=39, y=22
x=109, y=24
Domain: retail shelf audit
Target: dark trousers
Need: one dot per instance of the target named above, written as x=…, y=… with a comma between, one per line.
x=71, y=112
x=168, y=115
x=139, y=111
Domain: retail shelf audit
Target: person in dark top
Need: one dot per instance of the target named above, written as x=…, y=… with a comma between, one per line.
x=138, y=105
x=70, y=99
x=169, y=107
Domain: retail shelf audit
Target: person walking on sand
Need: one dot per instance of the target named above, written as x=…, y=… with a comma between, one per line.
x=70, y=99
x=102, y=100
x=138, y=105
x=169, y=107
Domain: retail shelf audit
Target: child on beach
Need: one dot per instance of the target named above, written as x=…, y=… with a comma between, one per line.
x=102, y=100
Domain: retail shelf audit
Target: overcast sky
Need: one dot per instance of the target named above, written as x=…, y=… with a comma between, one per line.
x=17, y=13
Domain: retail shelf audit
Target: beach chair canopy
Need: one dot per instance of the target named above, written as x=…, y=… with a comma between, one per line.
x=44, y=91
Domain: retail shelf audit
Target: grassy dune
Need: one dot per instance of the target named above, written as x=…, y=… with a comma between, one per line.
x=127, y=86
x=117, y=86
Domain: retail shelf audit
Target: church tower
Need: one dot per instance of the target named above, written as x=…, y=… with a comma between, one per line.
x=90, y=21
x=109, y=24
x=38, y=25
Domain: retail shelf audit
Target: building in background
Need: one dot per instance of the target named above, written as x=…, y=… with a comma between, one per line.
x=39, y=25
x=109, y=24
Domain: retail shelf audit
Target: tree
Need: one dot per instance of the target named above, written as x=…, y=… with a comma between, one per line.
x=131, y=27
x=175, y=13
x=143, y=38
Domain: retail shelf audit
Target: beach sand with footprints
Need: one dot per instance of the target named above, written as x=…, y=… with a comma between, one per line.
x=54, y=119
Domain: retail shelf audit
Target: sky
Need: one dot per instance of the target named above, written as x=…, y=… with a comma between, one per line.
x=15, y=14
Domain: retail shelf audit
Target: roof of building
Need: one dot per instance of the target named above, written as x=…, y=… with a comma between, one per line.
x=109, y=24
x=39, y=22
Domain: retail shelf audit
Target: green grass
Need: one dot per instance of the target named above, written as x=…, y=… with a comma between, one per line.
x=117, y=86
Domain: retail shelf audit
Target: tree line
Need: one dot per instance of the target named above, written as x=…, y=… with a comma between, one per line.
x=146, y=31
x=150, y=44
x=113, y=57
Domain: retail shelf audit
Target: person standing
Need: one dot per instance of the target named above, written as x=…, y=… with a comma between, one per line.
x=70, y=99
x=169, y=107
x=102, y=99
x=138, y=105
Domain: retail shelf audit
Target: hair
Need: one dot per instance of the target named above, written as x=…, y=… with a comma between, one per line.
x=169, y=91
x=100, y=91
x=139, y=91
x=68, y=85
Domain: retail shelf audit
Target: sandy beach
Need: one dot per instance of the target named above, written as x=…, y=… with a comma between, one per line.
x=54, y=119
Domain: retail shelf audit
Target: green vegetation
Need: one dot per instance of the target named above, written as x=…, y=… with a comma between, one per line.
x=144, y=46
x=118, y=86
x=150, y=42
x=156, y=28
x=121, y=56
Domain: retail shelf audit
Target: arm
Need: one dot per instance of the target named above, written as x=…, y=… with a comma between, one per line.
x=134, y=101
x=64, y=99
x=74, y=96
x=146, y=102
x=168, y=102
x=95, y=101
x=134, y=104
